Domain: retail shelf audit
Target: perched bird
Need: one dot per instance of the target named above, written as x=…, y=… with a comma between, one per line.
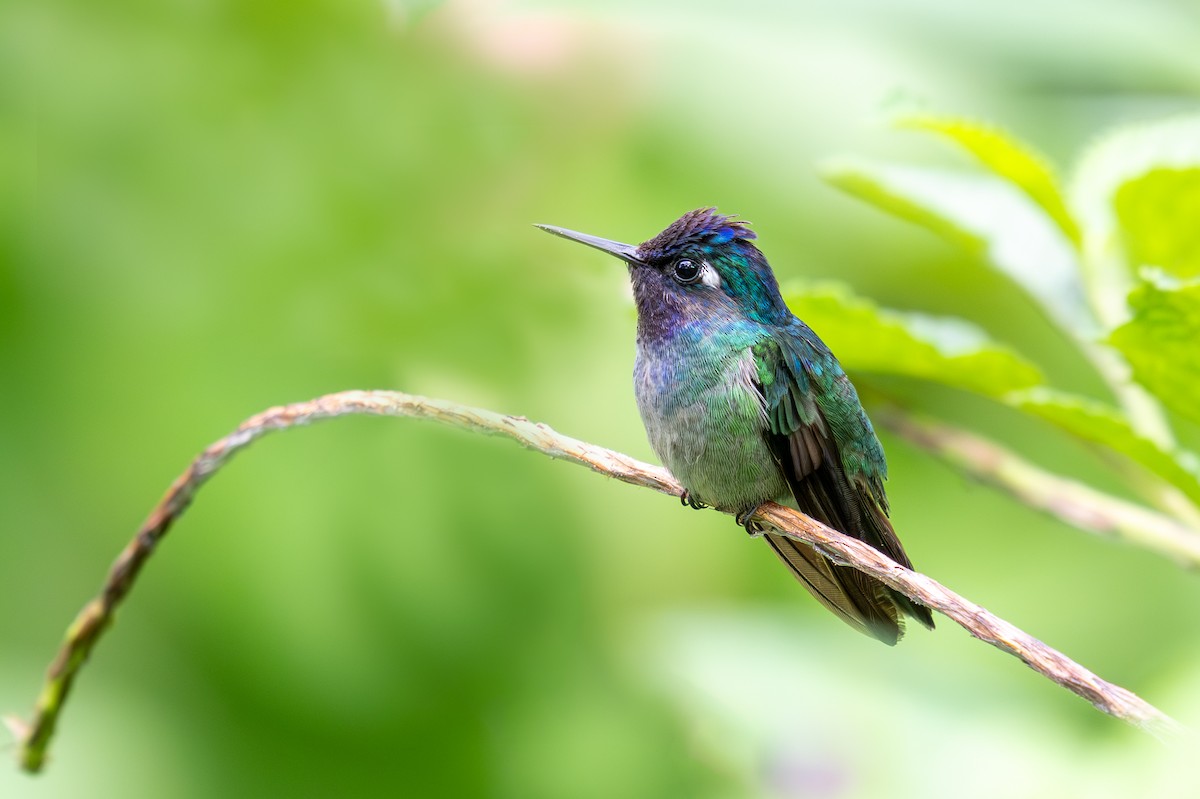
x=744, y=404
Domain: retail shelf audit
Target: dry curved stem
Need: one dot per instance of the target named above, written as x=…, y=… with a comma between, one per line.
x=1068, y=500
x=93, y=619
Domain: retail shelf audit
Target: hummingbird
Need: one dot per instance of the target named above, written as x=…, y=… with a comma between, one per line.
x=745, y=404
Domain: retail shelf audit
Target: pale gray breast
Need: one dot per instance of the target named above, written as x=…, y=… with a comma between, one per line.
x=706, y=420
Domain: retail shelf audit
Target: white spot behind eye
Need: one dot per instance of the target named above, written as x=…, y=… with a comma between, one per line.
x=709, y=276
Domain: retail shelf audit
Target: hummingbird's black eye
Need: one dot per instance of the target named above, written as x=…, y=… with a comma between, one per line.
x=686, y=271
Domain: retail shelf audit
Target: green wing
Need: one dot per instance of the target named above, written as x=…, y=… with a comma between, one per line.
x=834, y=465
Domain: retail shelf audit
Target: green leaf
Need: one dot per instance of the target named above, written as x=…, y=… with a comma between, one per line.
x=944, y=350
x=1127, y=155
x=1159, y=218
x=1162, y=340
x=1008, y=158
x=988, y=216
x=889, y=188
x=1105, y=425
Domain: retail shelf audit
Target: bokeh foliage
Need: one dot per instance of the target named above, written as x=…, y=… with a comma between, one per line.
x=212, y=207
x=1014, y=217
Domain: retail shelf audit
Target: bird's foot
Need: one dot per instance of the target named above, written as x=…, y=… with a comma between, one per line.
x=745, y=518
x=686, y=498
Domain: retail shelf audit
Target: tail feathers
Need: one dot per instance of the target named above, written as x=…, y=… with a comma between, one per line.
x=862, y=602
x=887, y=543
x=919, y=612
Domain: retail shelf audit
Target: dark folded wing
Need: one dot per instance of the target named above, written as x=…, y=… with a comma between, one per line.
x=803, y=443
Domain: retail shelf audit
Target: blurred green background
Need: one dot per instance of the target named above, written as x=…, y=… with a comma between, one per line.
x=214, y=207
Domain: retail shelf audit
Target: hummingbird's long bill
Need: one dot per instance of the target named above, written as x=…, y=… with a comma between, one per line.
x=626, y=252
